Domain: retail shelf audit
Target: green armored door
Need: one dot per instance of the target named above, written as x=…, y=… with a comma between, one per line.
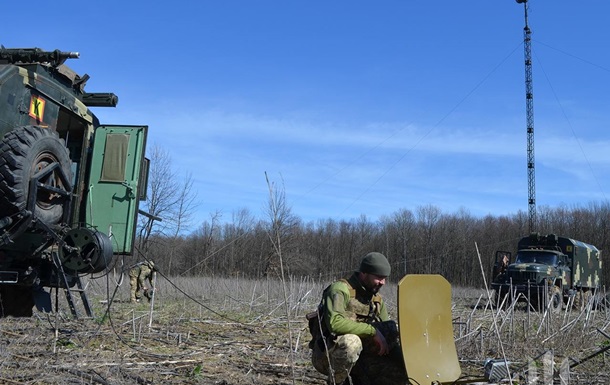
x=113, y=188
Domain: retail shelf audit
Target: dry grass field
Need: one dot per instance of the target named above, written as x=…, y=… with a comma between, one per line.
x=238, y=331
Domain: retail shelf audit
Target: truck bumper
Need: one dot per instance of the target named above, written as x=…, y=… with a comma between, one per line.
x=516, y=289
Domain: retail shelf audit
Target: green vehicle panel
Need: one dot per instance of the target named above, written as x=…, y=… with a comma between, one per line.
x=116, y=167
x=69, y=187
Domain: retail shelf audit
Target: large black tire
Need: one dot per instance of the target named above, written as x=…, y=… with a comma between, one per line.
x=555, y=299
x=580, y=301
x=23, y=152
x=583, y=296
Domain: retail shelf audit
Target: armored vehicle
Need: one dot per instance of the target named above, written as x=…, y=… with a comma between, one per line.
x=69, y=186
x=547, y=270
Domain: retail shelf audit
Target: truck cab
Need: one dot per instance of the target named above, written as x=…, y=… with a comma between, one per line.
x=538, y=265
x=548, y=269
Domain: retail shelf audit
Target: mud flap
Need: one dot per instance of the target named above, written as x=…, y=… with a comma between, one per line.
x=426, y=329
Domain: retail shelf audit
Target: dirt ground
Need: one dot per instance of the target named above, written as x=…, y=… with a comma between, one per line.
x=214, y=341
x=123, y=349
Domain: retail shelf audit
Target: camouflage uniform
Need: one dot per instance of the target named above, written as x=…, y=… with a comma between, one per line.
x=137, y=279
x=354, y=315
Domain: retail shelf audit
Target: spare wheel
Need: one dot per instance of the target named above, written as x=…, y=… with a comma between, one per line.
x=24, y=152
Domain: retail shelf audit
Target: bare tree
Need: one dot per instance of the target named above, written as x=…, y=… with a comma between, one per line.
x=169, y=199
x=281, y=226
x=202, y=247
x=423, y=241
x=238, y=238
x=404, y=222
x=428, y=217
x=181, y=216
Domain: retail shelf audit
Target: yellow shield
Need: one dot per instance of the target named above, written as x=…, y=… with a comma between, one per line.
x=426, y=329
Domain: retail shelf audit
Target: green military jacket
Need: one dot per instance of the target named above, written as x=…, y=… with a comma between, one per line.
x=352, y=313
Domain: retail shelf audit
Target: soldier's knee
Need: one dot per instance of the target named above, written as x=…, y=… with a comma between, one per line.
x=351, y=345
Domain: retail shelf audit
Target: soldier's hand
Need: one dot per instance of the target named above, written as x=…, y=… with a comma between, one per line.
x=381, y=343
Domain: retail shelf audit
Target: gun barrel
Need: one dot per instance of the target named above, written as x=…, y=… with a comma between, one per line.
x=35, y=55
x=100, y=99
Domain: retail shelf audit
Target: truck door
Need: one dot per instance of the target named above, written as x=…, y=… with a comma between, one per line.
x=113, y=187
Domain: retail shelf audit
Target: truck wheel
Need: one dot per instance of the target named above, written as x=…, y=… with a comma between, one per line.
x=556, y=300
x=577, y=304
x=24, y=152
x=581, y=300
x=586, y=298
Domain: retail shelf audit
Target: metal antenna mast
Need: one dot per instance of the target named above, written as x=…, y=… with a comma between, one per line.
x=529, y=109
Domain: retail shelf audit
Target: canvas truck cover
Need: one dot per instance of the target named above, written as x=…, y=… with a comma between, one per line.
x=584, y=259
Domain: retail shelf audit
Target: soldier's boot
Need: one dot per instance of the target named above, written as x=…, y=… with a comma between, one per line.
x=338, y=379
x=347, y=381
x=359, y=375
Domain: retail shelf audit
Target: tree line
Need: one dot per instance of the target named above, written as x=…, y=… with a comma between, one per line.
x=420, y=241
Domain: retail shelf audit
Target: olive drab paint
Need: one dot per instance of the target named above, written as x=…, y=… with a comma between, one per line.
x=69, y=187
x=426, y=329
x=550, y=268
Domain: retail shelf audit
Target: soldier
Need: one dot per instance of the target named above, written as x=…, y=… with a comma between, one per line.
x=356, y=338
x=138, y=275
x=504, y=265
x=501, y=269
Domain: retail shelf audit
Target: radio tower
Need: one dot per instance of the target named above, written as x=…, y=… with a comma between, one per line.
x=529, y=110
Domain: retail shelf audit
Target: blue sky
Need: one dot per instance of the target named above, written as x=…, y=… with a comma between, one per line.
x=359, y=107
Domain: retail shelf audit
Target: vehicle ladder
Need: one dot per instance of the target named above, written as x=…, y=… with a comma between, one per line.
x=64, y=284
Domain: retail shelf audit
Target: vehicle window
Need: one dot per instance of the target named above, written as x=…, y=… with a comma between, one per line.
x=533, y=257
x=115, y=157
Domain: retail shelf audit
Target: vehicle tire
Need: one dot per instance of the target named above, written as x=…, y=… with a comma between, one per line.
x=586, y=298
x=581, y=299
x=577, y=303
x=24, y=152
x=556, y=300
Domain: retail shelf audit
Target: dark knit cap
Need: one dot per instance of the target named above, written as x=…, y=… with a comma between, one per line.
x=375, y=263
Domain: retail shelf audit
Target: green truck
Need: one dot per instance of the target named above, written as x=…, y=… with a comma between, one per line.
x=547, y=270
x=70, y=187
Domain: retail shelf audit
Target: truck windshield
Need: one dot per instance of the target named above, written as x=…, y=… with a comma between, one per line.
x=537, y=257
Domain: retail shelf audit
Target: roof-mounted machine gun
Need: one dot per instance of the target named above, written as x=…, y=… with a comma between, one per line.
x=35, y=55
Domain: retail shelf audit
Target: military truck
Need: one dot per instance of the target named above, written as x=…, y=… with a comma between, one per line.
x=69, y=187
x=547, y=270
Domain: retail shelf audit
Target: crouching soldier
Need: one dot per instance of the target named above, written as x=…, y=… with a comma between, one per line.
x=352, y=334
